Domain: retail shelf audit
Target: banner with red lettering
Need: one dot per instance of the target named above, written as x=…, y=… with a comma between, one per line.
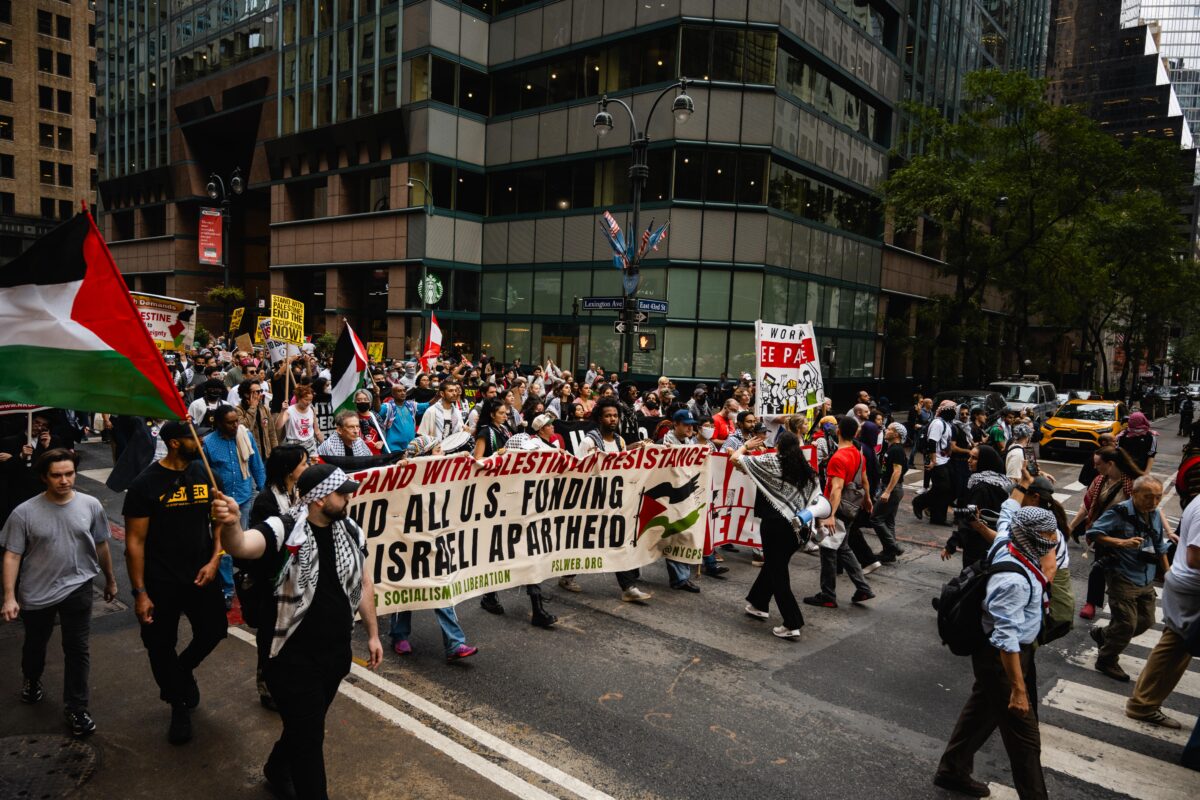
x=444, y=528
x=731, y=518
x=789, y=372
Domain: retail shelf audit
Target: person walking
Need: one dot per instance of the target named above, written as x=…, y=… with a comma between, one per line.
x=785, y=482
x=1187, y=410
x=1134, y=532
x=883, y=516
x=938, y=442
x=1140, y=441
x=1113, y=485
x=1004, y=694
x=987, y=489
x=172, y=554
x=254, y=415
x=236, y=463
x=55, y=545
x=307, y=621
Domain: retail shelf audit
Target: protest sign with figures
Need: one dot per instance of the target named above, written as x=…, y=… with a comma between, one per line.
x=442, y=529
x=170, y=320
x=375, y=352
x=789, y=373
x=287, y=320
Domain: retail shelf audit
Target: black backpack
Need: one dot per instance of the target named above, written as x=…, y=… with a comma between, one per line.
x=960, y=606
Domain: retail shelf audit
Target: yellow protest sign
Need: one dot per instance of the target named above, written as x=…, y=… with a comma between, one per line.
x=375, y=352
x=287, y=320
x=235, y=319
x=262, y=329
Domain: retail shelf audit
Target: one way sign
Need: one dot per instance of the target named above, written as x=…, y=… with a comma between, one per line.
x=622, y=327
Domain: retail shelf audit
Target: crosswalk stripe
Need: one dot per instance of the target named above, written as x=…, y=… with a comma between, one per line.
x=1189, y=684
x=1158, y=617
x=99, y=475
x=1074, y=487
x=1062, y=497
x=1109, y=708
x=1002, y=792
x=1115, y=768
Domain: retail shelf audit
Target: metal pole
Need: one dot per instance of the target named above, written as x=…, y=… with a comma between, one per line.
x=638, y=172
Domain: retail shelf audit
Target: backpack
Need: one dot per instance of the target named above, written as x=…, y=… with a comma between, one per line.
x=960, y=605
x=853, y=493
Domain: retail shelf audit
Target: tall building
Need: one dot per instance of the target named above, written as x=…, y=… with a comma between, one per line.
x=1179, y=43
x=47, y=117
x=385, y=143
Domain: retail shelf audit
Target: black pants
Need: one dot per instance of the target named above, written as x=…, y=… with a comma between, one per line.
x=774, y=580
x=1096, y=587
x=986, y=710
x=939, y=496
x=303, y=685
x=858, y=544
x=204, y=608
x=74, y=614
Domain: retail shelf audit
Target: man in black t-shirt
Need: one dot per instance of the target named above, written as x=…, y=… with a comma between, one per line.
x=891, y=482
x=172, y=555
x=316, y=562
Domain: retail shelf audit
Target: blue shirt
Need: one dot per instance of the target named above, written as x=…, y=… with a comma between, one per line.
x=223, y=457
x=1012, y=607
x=400, y=419
x=1123, y=521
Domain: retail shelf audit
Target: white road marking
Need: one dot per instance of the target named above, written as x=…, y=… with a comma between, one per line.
x=1109, y=708
x=99, y=475
x=1189, y=684
x=1002, y=792
x=1115, y=768
x=484, y=767
x=1074, y=487
x=1061, y=497
x=1158, y=617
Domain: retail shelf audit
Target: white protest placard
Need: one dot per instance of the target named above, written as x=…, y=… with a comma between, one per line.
x=789, y=373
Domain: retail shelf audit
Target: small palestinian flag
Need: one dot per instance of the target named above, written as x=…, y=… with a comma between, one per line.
x=70, y=335
x=348, y=370
x=657, y=504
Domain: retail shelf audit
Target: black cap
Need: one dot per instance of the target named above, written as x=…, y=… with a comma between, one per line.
x=311, y=477
x=174, y=429
x=1042, y=487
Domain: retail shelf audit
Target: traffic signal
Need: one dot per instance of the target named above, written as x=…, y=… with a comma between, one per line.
x=646, y=342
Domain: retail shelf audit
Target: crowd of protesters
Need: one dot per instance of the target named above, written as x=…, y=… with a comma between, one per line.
x=275, y=532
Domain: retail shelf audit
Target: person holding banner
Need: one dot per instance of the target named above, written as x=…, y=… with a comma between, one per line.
x=786, y=483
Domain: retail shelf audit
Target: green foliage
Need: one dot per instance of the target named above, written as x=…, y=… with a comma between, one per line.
x=203, y=337
x=225, y=295
x=1036, y=201
x=325, y=344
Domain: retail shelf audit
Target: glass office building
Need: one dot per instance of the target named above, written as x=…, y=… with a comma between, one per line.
x=1178, y=42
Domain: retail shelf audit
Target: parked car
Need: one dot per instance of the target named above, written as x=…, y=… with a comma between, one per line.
x=1193, y=391
x=973, y=398
x=1067, y=395
x=1077, y=425
x=1028, y=393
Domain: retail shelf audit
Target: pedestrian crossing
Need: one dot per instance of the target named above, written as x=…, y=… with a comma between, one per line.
x=1087, y=737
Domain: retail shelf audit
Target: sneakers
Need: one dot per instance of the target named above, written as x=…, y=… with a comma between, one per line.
x=756, y=560
x=869, y=568
x=821, y=601
x=1097, y=634
x=686, y=586
x=180, y=729
x=31, y=691
x=966, y=785
x=861, y=597
x=461, y=652
x=1158, y=718
x=754, y=613
x=716, y=572
x=1088, y=611
x=635, y=595
x=82, y=724
x=569, y=584
x=784, y=633
x=401, y=647
x=490, y=603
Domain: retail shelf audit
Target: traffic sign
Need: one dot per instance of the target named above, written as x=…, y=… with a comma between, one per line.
x=601, y=304
x=640, y=317
x=652, y=306
x=622, y=327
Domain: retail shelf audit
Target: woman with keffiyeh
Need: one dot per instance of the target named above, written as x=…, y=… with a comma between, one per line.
x=987, y=489
x=787, y=489
x=1140, y=441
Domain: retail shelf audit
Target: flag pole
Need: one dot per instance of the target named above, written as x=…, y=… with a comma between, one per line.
x=29, y=436
x=203, y=457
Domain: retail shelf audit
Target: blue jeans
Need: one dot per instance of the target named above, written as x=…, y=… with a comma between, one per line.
x=452, y=632
x=678, y=572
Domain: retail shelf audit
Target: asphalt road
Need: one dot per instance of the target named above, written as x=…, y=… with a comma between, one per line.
x=684, y=697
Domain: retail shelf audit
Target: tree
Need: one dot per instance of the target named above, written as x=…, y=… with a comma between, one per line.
x=1012, y=185
x=226, y=297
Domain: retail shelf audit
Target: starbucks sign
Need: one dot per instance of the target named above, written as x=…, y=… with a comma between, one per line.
x=431, y=289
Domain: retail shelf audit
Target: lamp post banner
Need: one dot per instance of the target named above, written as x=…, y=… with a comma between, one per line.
x=445, y=528
x=212, y=245
x=789, y=373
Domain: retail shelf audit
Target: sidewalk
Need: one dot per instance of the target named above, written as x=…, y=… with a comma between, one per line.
x=366, y=756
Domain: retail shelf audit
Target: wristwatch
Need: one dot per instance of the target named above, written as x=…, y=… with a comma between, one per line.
x=135, y=591
x=1019, y=487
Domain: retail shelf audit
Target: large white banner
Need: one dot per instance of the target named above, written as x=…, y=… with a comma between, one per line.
x=789, y=372
x=170, y=320
x=442, y=529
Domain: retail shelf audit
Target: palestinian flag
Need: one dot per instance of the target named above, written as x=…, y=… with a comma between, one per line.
x=658, y=502
x=70, y=335
x=348, y=371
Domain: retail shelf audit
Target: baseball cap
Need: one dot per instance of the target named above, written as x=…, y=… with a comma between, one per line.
x=1042, y=487
x=540, y=421
x=312, y=477
x=684, y=417
x=175, y=429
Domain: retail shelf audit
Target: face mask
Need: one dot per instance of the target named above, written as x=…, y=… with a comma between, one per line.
x=707, y=431
x=652, y=405
x=362, y=407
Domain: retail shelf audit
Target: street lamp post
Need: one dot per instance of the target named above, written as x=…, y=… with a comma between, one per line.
x=218, y=192
x=639, y=171
x=423, y=287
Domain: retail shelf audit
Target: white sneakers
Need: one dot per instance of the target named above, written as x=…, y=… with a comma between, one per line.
x=635, y=595
x=869, y=568
x=784, y=633
x=751, y=611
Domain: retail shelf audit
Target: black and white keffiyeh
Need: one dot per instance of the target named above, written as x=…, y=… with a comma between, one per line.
x=335, y=446
x=767, y=473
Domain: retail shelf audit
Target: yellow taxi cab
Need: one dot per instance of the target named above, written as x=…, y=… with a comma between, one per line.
x=1076, y=425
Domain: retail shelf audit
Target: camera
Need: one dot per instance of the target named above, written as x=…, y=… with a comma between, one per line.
x=966, y=513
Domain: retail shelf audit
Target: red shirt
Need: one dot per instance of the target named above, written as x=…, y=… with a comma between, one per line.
x=844, y=463
x=721, y=427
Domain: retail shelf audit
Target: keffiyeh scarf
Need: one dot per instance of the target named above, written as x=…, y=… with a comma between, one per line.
x=767, y=474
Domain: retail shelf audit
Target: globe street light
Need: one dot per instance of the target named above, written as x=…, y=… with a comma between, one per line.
x=218, y=193
x=639, y=171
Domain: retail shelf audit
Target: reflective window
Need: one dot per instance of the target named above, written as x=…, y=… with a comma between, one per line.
x=714, y=294
x=679, y=351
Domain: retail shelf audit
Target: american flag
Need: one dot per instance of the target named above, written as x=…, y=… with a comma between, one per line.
x=651, y=241
x=612, y=232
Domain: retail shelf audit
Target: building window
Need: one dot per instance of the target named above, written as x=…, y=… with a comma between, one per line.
x=46, y=173
x=7, y=203
x=66, y=139
x=63, y=24
x=6, y=166
x=6, y=51
x=65, y=209
x=92, y=107
x=66, y=175
x=48, y=207
x=45, y=25
x=6, y=89
x=91, y=72
x=45, y=98
x=64, y=101
x=45, y=59
x=64, y=64
x=45, y=135
x=6, y=128
x=92, y=142
x=6, y=11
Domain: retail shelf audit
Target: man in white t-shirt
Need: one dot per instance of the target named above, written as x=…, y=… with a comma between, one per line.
x=938, y=438
x=1181, y=609
x=444, y=417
